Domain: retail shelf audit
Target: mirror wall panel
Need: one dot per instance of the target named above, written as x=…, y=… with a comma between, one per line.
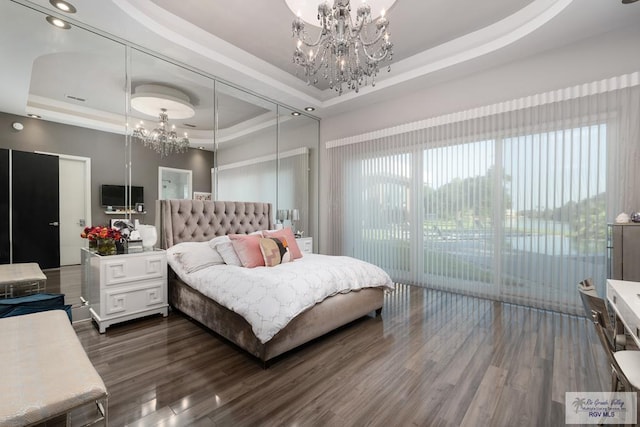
x=187, y=98
x=246, y=146
x=74, y=81
x=297, y=159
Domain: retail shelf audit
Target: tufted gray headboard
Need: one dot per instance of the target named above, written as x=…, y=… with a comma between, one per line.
x=197, y=220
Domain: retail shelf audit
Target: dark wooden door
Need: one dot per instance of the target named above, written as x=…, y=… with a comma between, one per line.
x=4, y=206
x=35, y=209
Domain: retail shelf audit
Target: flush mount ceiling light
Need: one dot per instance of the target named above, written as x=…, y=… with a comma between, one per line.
x=350, y=45
x=149, y=99
x=162, y=101
x=58, y=23
x=63, y=6
x=308, y=9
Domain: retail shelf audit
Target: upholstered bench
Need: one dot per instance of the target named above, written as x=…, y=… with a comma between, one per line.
x=46, y=372
x=25, y=278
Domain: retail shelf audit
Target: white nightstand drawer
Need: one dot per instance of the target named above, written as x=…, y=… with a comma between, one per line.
x=132, y=269
x=126, y=301
x=305, y=244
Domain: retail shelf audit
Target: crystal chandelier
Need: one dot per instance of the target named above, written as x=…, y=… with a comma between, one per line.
x=345, y=53
x=161, y=139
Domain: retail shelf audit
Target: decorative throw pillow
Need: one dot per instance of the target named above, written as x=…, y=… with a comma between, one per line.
x=248, y=249
x=274, y=251
x=287, y=235
x=228, y=254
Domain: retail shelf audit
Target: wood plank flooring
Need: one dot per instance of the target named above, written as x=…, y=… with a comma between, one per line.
x=431, y=359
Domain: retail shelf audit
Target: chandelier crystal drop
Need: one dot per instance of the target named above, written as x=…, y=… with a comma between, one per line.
x=160, y=139
x=347, y=54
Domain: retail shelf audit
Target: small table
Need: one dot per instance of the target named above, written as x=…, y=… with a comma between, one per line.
x=305, y=244
x=124, y=287
x=624, y=298
x=21, y=278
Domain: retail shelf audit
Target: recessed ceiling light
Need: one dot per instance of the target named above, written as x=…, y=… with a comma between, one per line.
x=201, y=148
x=58, y=23
x=295, y=113
x=63, y=6
x=34, y=116
x=309, y=109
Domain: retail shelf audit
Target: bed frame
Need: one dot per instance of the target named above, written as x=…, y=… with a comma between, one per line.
x=197, y=220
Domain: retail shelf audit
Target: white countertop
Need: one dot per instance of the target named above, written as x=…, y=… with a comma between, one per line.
x=624, y=299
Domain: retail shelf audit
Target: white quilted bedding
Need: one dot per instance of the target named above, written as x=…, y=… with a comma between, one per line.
x=270, y=297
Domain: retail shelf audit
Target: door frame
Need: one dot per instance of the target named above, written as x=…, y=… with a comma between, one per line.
x=87, y=180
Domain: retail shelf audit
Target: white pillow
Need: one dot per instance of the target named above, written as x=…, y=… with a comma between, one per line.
x=194, y=256
x=228, y=254
x=217, y=240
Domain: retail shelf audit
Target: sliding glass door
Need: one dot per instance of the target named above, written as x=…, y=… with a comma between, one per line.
x=512, y=206
x=554, y=231
x=462, y=199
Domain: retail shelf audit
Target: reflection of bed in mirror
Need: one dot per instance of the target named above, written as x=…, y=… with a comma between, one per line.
x=200, y=221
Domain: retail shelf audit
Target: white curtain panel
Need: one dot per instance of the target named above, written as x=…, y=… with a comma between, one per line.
x=510, y=201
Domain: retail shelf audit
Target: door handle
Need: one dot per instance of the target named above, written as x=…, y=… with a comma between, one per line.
x=54, y=223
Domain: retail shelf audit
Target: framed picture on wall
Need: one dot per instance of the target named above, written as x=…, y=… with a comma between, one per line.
x=198, y=195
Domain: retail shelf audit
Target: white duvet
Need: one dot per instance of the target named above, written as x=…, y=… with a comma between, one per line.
x=270, y=297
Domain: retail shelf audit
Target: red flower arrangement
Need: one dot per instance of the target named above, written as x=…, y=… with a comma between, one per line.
x=100, y=232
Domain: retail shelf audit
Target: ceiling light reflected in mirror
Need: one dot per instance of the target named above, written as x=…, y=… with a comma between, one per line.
x=151, y=98
x=58, y=23
x=63, y=6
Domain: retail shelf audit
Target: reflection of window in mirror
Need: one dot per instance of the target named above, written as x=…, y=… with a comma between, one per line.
x=174, y=183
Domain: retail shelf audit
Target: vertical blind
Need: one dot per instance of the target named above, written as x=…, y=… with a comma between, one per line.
x=510, y=201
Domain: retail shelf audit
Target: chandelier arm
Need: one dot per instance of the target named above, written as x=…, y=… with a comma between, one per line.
x=373, y=57
x=303, y=39
x=378, y=37
x=313, y=67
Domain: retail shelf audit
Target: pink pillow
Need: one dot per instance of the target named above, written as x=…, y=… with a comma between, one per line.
x=248, y=249
x=287, y=235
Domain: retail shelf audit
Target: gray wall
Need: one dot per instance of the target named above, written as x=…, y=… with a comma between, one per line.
x=608, y=55
x=107, y=153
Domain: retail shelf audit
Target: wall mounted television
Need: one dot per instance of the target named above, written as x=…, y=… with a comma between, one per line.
x=114, y=195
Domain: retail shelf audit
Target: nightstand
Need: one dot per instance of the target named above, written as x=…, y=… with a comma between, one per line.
x=124, y=287
x=305, y=244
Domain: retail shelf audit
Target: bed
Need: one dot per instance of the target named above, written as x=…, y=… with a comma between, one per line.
x=182, y=221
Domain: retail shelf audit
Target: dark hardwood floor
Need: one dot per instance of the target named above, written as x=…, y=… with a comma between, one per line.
x=431, y=359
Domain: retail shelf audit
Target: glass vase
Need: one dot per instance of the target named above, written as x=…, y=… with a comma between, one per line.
x=106, y=247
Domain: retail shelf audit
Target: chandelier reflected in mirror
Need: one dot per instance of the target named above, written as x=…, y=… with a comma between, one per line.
x=153, y=98
x=160, y=139
x=349, y=49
